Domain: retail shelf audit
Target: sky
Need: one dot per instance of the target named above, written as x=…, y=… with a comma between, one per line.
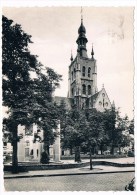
x=54, y=32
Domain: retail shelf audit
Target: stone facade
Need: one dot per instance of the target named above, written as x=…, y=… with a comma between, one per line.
x=82, y=79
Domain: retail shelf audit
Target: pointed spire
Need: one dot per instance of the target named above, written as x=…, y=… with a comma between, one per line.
x=92, y=52
x=81, y=15
x=102, y=85
x=82, y=40
x=113, y=104
x=71, y=58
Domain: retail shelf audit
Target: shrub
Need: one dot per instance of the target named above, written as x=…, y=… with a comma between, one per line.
x=44, y=158
x=130, y=153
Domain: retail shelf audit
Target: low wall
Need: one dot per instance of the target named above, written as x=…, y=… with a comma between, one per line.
x=35, y=166
x=99, y=156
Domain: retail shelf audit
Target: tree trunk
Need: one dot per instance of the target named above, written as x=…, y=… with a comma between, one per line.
x=112, y=150
x=91, y=167
x=71, y=152
x=77, y=154
x=15, y=149
x=94, y=150
x=119, y=148
x=46, y=145
x=101, y=149
x=48, y=150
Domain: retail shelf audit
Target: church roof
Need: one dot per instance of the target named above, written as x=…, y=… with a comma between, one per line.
x=66, y=100
x=94, y=98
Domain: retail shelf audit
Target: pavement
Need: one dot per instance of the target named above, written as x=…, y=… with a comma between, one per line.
x=97, y=169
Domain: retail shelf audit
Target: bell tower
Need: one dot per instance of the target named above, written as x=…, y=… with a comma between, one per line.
x=82, y=72
x=82, y=40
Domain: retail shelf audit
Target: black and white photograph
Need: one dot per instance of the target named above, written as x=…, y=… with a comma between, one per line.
x=68, y=108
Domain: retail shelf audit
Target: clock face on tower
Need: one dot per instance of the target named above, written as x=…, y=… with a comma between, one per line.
x=103, y=94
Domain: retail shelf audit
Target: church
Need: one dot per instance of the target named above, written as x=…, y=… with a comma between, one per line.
x=82, y=92
x=82, y=79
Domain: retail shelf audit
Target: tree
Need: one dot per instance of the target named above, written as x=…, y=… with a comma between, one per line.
x=110, y=130
x=28, y=99
x=17, y=62
x=117, y=129
x=44, y=112
x=94, y=131
x=71, y=132
x=122, y=128
x=131, y=127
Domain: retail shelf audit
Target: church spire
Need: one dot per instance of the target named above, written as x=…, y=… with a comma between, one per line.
x=81, y=15
x=113, y=104
x=71, y=58
x=92, y=52
x=82, y=40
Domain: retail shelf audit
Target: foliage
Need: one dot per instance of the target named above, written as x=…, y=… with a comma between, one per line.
x=117, y=129
x=71, y=131
x=90, y=129
x=28, y=97
x=131, y=127
x=94, y=133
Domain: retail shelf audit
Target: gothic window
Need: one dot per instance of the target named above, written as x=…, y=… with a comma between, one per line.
x=103, y=102
x=87, y=103
x=31, y=152
x=83, y=71
x=89, y=90
x=89, y=69
x=72, y=91
x=103, y=94
x=84, y=89
x=72, y=75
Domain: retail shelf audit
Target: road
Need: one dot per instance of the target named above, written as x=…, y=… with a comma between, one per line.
x=94, y=182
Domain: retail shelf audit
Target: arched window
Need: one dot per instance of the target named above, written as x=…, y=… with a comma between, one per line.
x=31, y=152
x=89, y=90
x=83, y=71
x=103, y=102
x=89, y=70
x=72, y=75
x=84, y=89
x=72, y=91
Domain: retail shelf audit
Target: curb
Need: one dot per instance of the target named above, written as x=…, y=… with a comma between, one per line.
x=65, y=174
x=66, y=166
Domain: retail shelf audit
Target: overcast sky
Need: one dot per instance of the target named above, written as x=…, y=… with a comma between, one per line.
x=54, y=32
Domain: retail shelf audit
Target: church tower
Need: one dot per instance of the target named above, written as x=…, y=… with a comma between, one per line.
x=82, y=72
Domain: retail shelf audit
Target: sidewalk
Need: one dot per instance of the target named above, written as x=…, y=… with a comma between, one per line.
x=98, y=169
x=129, y=160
